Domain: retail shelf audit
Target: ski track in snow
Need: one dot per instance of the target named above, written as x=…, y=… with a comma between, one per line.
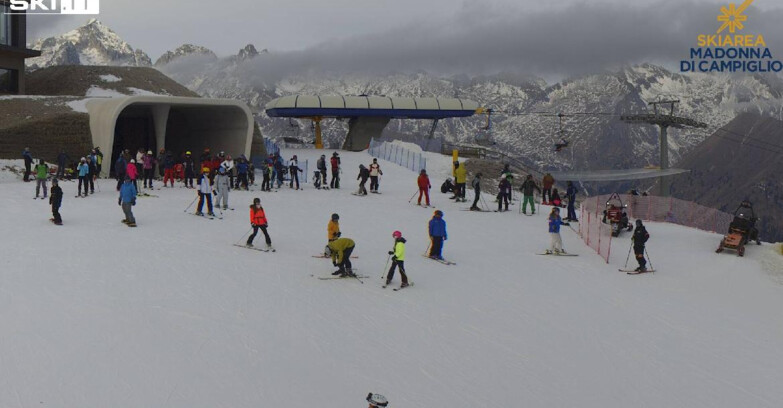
x=171, y=314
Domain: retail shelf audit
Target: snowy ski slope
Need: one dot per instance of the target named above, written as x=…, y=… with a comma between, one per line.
x=170, y=314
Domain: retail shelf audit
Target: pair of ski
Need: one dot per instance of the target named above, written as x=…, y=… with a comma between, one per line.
x=443, y=261
x=635, y=272
x=209, y=217
x=335, y=277
x=557, y=254
x=270, y=249
x=328, y=257
x=400, y=288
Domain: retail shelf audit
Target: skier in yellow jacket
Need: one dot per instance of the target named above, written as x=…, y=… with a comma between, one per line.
x=460, y=178
x=340, y=250
x=398, y=259
x=333, y=229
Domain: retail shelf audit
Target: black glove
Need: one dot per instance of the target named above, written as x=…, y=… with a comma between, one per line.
x=391, y=252
x=265, y=225
x=338, y=234
x=119, y=201
x=133, y=202
x=334, y=263
x=214, y=192
x=394, y=258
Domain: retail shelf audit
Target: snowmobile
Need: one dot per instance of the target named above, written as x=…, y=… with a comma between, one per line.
x=741, y=230
x=616, y=216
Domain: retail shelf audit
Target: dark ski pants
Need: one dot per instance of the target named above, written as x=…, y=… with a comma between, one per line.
x=335, y=183
x=126, y=208
x=255, y=231
x=91, y=180
x=638, y=251
x=437, y=247
x=294, y=178
x=38, y=184
x=82, y=181
x=571, y=211
x=242, y=180
x=460, y=190
x=56, y=213
x=201, y=197
x=477, y=195
x=266, y=185
x=27, y=171
x=279, y=179
x=362, y=188
x=346, y=263
x=60, y=170
x=149, y=174
x=373, y=183
x=323, y=177
x=426, y=193
x=502, y=198
x=546, y=193
x=120, y=179
x=395, y=265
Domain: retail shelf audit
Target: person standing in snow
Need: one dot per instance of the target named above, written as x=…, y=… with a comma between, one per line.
x=333, y=228
x=168, y=169
x=139, y=165
x=294, y=170
x=120, y=170
x=228, y=165
x=437, y=230
x=640, y=237
x=83, y=170
x=162, y=164
x=528, y=188
x=266, y=184
x=375, y=172
x=258, y=221
x=190, y=170
x=340, y=251
x=148, y=164
x=571, y=196
x=56, y=200
x=364, y=174
x=41, y=172
x=133, y=172
x=504, y=192
x=242, y=173
x=398, y=259
x=98, y=160
x=555, y=222
x=424, y=186
x=28, y=163
x=321, y=166
x=127, y=200
x=62, y=159
x=92, y=174
x=460, y=179
x=204, y=193
x=546, y=194
x=222, y=187
x=476, y=184
x=279, y=170
x=335, y=164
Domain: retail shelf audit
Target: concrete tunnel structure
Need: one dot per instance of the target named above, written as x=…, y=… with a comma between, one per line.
x=178, y=124
x=367, y=115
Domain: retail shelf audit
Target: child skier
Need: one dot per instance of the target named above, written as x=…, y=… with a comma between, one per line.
x=424, y=186
x=504, y=192
x=222, y=187
x=56, y=199
x=41, y=172
x=340, y=251
x=258, y=221
x=333, y=229
x=556, y=201
x=554, y=231
x=375, y=172
x=364, y=174
x=204, y=192
x=127, y=200
x=527, y=189
x=294, y=170
x=398, y=259
x=437, y=229
x=84, y=172
x=640, y=237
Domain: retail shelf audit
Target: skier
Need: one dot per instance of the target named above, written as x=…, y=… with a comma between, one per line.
x=190, y=170
x=321, y=166
x=460, y=178
x=251, y=174
x=333, y=228
x=162, y=155
x=168, y=169
x=91, y=174
x=504, y=191
x=398, y=259
x=437, y=229
x=377, y=401
x=447, y=186
x=41, y=172
x=149, y=163
x=268, y=173
x=335, y=162
x=375, y=171
x=364, y=174
x=84, y=172
x=555, y=221
x=127, y=200
x=228, y=165
x=279, y=170
x=98, y=160
x=527, y=191
x=205, y=160
x=139, y=165
x=340, y=251
x=640, y=237
x=133, y=173
x=476, y=184
x=120, y=169
x=62, y=158
x=56, y=200
x=204, y=192
x=547, y=181
x=222, y=187
x=294, y=170
x=28, y=163
x=242, y=169
x=424, y=186
x=258, y=221
x=571, y=196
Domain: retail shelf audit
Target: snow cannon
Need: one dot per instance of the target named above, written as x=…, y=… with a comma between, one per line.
x=741, y=230
x=616, y=216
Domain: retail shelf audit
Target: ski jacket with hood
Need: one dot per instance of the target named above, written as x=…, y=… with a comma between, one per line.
x=338, y=247
x=257, y=215
x=399, y=249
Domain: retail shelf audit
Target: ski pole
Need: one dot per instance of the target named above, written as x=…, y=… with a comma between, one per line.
x=243, y=236
x=414, y=195
x=388, y=258
x=648, y=258
x=191, y=204
x=629, y=255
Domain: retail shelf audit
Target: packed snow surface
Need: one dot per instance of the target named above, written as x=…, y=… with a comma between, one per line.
x=170, y=314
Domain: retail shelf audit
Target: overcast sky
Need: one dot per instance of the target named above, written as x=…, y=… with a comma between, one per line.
x=560, y=37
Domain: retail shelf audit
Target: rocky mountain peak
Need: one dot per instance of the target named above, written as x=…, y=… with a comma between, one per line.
x=184, y=51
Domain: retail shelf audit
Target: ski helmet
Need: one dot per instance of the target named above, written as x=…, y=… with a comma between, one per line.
x=54, y=181
x=222, y=170
x=438, y=213
x=187, y=153
x=205, y=170
x=638, y=223
x=396, y=234
x=377, y=400
x=327, y=251
x=256, y=201
x=335, y=217
x=149, y=152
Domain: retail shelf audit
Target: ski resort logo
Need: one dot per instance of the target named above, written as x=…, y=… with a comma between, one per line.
x=729, y=51
x=55, y=7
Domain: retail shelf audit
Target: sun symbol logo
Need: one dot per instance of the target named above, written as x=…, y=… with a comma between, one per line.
x=732, y=17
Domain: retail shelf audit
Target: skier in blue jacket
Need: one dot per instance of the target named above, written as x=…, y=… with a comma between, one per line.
x=438, y=234
x=554, y=231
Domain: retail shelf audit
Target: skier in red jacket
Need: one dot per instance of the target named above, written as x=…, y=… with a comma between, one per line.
x=424, y=186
